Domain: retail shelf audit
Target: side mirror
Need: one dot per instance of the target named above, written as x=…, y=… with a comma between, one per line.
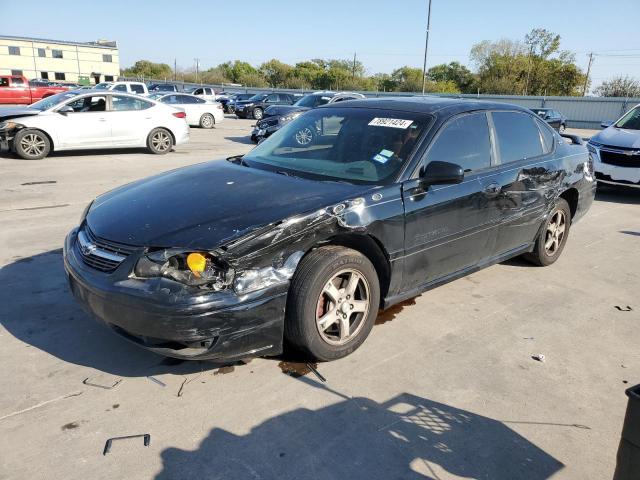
x=439, y=173
x=66, y=109
x=606, y=124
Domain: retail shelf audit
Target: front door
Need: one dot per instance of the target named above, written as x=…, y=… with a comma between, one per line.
x=87, y=126
x=450, y=228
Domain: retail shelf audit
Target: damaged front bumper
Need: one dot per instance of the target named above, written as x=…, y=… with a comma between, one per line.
x=175, y=320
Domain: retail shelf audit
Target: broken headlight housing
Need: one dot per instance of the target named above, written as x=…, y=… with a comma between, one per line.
x=192, y=268
x=7, y=125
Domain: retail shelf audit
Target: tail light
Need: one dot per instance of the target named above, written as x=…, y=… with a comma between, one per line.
x=180, y=115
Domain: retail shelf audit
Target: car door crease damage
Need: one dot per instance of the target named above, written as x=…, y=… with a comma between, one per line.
x=208, y=261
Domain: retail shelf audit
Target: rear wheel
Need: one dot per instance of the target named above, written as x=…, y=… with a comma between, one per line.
x=553, y=236
x=333, y=302
x=207, y=121
x=257, y=113
x=160, y=141
x=31, y=144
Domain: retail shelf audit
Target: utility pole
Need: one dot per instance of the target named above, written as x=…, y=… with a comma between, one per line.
x=353, y=73
x=426, y=47
x=586, y=80
x=175, y=69
x=197, y=60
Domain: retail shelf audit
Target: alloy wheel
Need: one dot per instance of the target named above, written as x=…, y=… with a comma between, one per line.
x=161, y=141
x=342, y=307
x=304, y=136
x=33, y=144
x=555, y=233
x=207, y=121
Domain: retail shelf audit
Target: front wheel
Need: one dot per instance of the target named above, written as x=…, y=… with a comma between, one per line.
x=31, y=144
x=257, y=113
x=159, y=141
x=332, y=303
x=207, y=121
x=553, y=236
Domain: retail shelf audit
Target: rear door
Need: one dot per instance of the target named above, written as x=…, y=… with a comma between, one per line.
x=131, y=119
x=448, y=227
x=18, y=91
x=526, y=178
x=193, y=107
x=87, y=126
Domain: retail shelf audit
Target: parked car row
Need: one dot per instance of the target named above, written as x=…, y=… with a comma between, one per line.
x=16, y=89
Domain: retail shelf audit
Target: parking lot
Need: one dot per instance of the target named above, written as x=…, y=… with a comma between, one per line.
x=445, y=386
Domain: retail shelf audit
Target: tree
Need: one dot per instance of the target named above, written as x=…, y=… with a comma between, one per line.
x=147, y=69
x=619, y=87
x=237, y=71
x=407, y=79
x=275, y=72
x=454, y=72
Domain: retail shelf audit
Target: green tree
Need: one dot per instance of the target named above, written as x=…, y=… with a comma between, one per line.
x=147, y=69
x=454, y=72
x=237, y=70
x=619, y=87
x=407, y=79
x=275, y=72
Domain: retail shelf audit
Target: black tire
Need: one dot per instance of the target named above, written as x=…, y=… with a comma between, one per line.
x=207, y=121
x=160, y=141
x=541, y=255
x=315, y=271
x=31, y=144
x=257, y=113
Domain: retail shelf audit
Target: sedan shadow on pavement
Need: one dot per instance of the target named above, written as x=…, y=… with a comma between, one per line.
x=407, y=437
x=37, y=308
x=611, y=194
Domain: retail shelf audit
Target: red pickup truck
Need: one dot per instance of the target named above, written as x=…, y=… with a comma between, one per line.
x=16, y=90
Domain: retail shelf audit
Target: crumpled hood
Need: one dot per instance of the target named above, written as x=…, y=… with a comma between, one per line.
x=8, y=113
x=204, y=206
x=618, y=137
x=280, y=110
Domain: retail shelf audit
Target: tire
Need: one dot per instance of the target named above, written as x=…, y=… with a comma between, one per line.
x=308, y=301
x=257, y=113
x=562, y=128
x=160, y=141
x=542, y=255
x=207, y=121
x=31, y=144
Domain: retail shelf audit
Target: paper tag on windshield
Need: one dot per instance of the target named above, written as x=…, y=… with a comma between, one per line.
x=390, y=122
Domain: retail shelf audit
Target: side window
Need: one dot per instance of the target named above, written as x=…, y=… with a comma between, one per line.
x=171, y=99
x=185, y=99
x=465, y=142
x=120, y=103
x=137, y=88
x=547, y=136
x=273, y=98
x=120, y=88
x=4, y=82
x=198, y=91
x=518, y=136
x=97, y=103
x=197, y=100
x=17, y=82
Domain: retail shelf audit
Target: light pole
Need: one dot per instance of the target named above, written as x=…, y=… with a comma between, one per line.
x=426, y=47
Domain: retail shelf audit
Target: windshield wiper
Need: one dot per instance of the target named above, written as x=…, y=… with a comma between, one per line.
x=237, y=159
x=285, y=173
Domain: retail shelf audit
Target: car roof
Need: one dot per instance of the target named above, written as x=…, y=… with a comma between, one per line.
x=426, y=104
x=99, y=91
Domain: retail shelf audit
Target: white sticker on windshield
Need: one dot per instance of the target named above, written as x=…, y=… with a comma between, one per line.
x=390, y=122
x=380, y=159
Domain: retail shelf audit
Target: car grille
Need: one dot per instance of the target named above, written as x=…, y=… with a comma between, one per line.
x=620, y=157
x=101, y=254
x=271, y=122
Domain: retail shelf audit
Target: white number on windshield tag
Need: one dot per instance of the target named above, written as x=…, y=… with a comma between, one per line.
x=390, y=122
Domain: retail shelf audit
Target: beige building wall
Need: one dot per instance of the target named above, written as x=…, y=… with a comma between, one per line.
x=78, y=59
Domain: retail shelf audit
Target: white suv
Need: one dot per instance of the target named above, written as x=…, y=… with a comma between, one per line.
x=126, y=87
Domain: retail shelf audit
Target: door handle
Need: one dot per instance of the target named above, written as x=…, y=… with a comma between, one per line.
x=492, y=190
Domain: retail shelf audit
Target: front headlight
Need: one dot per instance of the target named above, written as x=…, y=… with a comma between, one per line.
x=193, y=268
x=248, y=105
x=291, y=116
x=8, y=125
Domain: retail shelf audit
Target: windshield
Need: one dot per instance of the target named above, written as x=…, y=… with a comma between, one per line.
x=103, y=86
x=164, y=88
x=355, y=145
x=156, y=96
x=258, y=97
x=312, y=101
x=631, y=120
x=53, y=100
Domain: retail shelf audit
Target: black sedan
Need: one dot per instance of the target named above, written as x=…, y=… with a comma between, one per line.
x=552, y=117
x=393, y=197
x=254, y=107
x=229, y=103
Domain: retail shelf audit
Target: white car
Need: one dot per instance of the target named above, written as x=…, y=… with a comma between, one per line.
x=126, y=87
x=92, y=119
x=200, y=113
x=206, y=93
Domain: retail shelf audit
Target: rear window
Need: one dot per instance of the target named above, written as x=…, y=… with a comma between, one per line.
x=518, y=136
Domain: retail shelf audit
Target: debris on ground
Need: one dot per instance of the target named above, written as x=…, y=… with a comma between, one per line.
x=623, y=309
x=300, y=369
x=99, y=383
x=539, y=357
x=224, y=370
x=155, y=380
x=107, y=445
x=43, y=182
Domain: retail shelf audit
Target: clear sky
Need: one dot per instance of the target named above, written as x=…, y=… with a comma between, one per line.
x=385, y=34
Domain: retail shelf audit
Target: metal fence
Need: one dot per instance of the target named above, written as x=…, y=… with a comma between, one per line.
x=581, y=112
